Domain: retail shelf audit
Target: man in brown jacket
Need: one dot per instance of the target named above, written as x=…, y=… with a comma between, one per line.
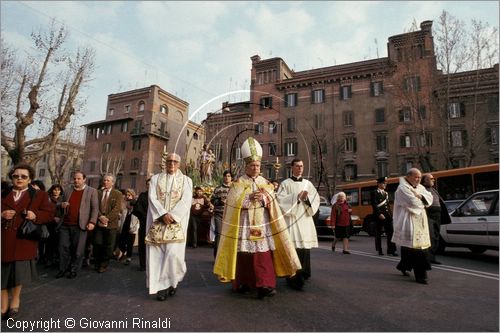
x=110, y=203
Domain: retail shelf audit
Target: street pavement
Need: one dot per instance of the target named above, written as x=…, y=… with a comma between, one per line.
x=357, y=292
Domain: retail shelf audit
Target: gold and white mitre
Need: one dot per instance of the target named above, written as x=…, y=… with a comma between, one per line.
x=251, y=150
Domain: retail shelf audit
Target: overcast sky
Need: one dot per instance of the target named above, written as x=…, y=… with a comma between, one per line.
x=200, y=51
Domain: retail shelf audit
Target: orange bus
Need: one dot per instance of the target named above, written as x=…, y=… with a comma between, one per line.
x=452, y=184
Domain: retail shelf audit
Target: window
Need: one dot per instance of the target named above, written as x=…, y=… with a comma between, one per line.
x=318, y=121
x=493, y=104
x=458, y=138
x=124, y=127
x=348, y=118
x=127, y=108
x=379, y=115
x=41, y=173
x=377, y=88
x=237, y=153
x=111, y=111
x=92, y=166
x=381, y=142
x=345, y=92
x=350, y=172
x=405, y=115
x=426, y=140
x=141, y=106
x=272, y=149
x=106, y=148
x=291, y=100
x=270, y=172
x=137, y=127
x=290, y=122
x=422, y=112
x=108, y=129
x=266, y=102
x=195, y=136
x=318, y=96
x=259, y=128
x=162, y=128
x=405, y=166
x=350, y=144
x=136, y=144
x=405, y=141
x=44, y=158
x=123, y=145
x=492, y=135
x=135, y=164
x=164, y=109
x=456, y=110
x=291, y=148
x=382, y=168
x=133, y=182
x=273, y=128
x=412, y=83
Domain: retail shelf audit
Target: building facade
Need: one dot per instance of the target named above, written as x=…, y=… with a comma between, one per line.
x=374, y=118
x=139, y=126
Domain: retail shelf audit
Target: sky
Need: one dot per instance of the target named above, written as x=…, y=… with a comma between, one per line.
x=200, y=51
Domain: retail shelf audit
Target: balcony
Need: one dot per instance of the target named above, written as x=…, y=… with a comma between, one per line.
x=135, y=132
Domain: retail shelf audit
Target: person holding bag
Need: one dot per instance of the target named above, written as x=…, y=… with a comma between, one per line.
x=341, y=220
x=22, y=202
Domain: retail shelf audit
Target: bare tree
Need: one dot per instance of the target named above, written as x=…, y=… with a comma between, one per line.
x=111, y=164
x=43, y=93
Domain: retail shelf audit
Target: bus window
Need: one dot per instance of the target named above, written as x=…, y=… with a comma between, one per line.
x=455, y=187
x=352, y=197
x=366, y=193
x=486, y=181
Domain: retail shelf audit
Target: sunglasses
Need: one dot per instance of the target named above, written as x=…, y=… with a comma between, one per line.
x=20, y=176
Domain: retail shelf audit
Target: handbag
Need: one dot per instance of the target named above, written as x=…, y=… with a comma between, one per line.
x=134, y=225
x=31, y=231
x=161, y=233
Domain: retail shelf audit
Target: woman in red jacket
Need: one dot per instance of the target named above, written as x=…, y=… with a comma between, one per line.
x=341, y=220
x=18, y=264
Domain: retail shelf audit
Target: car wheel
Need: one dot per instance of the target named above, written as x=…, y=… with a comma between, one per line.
x=369, y=226
x=477, y=249
x=441, y=246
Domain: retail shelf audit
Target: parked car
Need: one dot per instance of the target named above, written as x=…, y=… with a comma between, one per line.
x=452, y=204
x=474, y=224
x=322, y=223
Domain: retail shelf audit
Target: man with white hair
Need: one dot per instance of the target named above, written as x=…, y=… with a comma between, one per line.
x=170, y=194
x=411, y=230
x=254, y=246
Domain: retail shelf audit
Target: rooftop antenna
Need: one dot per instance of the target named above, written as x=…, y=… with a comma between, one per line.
x=376, y=46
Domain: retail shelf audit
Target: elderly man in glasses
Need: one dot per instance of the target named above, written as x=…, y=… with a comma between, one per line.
x=170, y=194
x=437, y=214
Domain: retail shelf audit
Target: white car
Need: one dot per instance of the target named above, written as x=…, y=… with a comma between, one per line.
x=474, y=224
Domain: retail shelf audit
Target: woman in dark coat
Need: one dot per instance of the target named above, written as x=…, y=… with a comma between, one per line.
x=56, y=194
x=18, y=255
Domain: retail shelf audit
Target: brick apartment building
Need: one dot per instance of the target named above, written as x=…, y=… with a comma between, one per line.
x=376, y=117
x=140, y=124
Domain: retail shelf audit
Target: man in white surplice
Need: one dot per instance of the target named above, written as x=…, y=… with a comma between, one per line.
x=299, y=201
x=170, y=195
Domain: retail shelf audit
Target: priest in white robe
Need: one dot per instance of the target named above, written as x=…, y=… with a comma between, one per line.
x=299, y=201
x=170, y=195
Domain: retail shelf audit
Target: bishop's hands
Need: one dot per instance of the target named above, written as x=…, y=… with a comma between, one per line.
x=167, y=219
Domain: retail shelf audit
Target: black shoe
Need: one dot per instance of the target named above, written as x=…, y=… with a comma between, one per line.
x=394, y=254
x=244, y=290
x=421, y=281
x=346, y=252
x=333, y=248
x=162, y=295
x=13, y=313
x=60, y=274
x=71, y=275
x=5, y=315
x=380, y=253
x=435, y=262
x=171, y=291
x=265, y=292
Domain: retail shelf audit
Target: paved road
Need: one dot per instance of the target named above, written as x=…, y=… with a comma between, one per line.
x=357, y=292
